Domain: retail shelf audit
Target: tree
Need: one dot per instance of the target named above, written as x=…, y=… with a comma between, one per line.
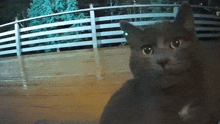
x=45, y=7
x=39, y=8
x=60, y=6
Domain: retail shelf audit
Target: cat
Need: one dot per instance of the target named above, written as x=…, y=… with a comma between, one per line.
x=176, y=77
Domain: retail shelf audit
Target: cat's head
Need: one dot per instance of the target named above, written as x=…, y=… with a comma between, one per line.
x=162, y=48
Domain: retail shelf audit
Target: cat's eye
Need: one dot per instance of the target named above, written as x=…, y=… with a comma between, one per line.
x=147, y=50
x=175, y=44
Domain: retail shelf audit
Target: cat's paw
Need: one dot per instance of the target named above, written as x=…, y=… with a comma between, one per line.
x=186, y=113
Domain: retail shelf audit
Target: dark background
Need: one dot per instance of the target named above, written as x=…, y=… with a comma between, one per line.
x=9, y=9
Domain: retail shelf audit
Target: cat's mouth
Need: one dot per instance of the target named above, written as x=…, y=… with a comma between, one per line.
x=166, y=72
x=172, y=71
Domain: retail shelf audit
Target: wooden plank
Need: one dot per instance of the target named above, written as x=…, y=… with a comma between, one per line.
x=55, y=24
x=206, y=16
x=56, y=31
x=197, y=22
x=113, y=25
x=7, y=39
x=114, y=40
x=128, y=16
x=69, y=37
x=8, y=45
x=207, y=35
x=82, y=43
x=8, y=52
x=109, y=33
x=207, y=29
x=7, y=33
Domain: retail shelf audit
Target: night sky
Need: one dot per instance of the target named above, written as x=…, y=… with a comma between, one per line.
x=9, y=9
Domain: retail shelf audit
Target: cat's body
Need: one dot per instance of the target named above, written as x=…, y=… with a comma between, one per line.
x=176, y=78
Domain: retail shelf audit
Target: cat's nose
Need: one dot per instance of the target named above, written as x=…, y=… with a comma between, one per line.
x=162, y=62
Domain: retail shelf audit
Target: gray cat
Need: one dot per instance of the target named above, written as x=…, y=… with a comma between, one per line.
x=176, y=77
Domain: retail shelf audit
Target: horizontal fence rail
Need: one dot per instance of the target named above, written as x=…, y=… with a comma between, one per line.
x=96, y=31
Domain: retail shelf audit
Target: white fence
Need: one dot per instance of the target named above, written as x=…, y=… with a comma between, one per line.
x=97, y=30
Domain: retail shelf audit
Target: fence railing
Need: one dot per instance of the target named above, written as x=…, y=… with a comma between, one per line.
x=96, y=30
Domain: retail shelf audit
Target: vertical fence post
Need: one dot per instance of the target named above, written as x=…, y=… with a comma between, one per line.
x=17, y=38
x=175, y=10
x=92, y=17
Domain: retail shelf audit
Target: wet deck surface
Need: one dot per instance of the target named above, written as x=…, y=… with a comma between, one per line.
x=71, y=86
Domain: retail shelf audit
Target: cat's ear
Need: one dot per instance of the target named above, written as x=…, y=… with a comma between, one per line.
x=185, y=17
x=128, y=29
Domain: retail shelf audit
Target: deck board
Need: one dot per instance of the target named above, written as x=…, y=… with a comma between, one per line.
x=71, y=86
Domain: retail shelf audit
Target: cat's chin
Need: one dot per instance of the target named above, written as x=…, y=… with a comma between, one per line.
x=174, y=72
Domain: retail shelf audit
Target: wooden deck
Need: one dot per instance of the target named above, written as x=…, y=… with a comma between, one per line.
x=71, y=86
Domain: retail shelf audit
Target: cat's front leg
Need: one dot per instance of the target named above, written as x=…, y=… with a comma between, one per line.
x=196, y=114
x=186, y=113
